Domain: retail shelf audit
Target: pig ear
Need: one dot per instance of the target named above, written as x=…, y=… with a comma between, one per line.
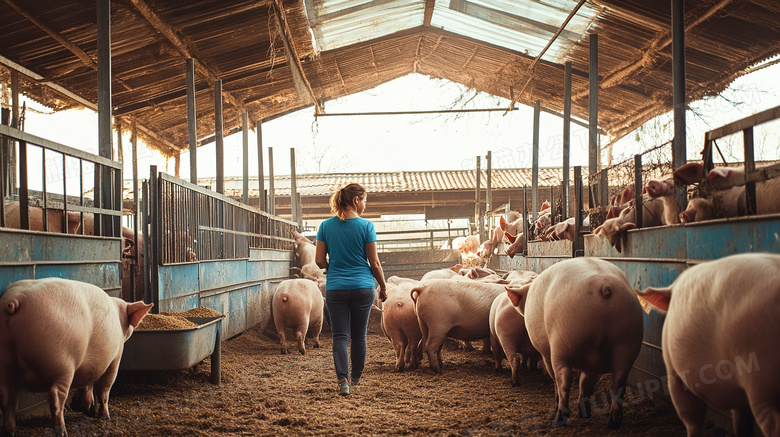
x=518, y=296
x=657, y=297
x=502, y=223
x=721, y=172
x=136, y=311
x=456, y=267
x=510, y=238
x=689, y=173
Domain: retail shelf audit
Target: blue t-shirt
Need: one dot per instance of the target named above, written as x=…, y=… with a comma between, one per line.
x=348, y=266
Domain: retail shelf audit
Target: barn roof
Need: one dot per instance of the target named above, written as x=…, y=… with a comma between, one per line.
x=278, y=56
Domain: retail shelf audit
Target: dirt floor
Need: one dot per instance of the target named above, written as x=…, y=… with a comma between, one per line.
x=266, y=393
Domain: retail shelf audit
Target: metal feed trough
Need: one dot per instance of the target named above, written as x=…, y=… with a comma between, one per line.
x=176, y=349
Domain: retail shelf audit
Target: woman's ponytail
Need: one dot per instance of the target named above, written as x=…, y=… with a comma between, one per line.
x=341, y=201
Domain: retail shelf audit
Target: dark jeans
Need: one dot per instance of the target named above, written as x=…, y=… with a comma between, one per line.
x=349, y=311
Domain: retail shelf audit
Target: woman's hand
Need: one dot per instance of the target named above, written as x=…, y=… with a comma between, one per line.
x=382, y=294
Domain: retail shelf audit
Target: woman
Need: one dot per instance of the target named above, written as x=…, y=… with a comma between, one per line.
x=352, y=265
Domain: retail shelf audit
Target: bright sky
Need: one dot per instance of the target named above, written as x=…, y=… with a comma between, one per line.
x=427, y=142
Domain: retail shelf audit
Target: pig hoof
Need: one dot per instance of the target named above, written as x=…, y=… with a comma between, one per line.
x=559, y=420
x=302, y=351
x=284, y=351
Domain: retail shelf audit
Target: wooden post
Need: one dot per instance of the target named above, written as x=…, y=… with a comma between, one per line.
x=192, y=127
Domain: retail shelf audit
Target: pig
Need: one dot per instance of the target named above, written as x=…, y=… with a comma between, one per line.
x=442, y=273
x=298, y=305
x=513, y=227
x=719, y=343
x=509, y=338
x=517, y=246
x=53, y=218
x=663, y=188
x=57, y=334
x=620, y=202
x=470, y=244
x=616, y=229
x=491, y=246
x=518, y=278
x=729, y=202
x=399, y=323
x=582, y=314
x=458, y=309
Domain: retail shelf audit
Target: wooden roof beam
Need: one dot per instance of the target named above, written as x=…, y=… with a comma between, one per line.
x=302, y=84
x=648, y=56
x=167, y=32
x=65, y=42
x=428, y=14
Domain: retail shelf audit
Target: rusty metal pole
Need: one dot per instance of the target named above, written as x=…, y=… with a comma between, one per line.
x=566, y=138
x=261, y=203
x=678, y=72
x=535, y=165
x=219, y=128
x=192, y=127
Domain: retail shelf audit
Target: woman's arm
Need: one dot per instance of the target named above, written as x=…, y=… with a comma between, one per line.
x=320, y=257
x=376, y=269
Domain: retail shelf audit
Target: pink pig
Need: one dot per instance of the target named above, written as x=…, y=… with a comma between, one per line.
x=452, y=308
x=57, y=334
x=399, y=323
x=509, y=337
x=719, y=341
x=298, y=305
x=581, y=314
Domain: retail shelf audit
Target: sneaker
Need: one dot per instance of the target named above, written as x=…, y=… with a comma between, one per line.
x=355, y=382
x=343, y=387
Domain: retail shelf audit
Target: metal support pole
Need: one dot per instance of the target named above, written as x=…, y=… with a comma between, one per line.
x=593, y=112
x=219, y=132
x=489, y=194
x=260, y=173
x=750, y=166
x=192, y=115
x=103, y=194
x=155, y=252
x=566, y=138
x=535, y=167
x=679, y=148
x=271, y=194
x=578, y=243
x=136, y=215
x=245, y=139
x=293, y=190
x=638, y=190
x=526, y=225
x=477, y=209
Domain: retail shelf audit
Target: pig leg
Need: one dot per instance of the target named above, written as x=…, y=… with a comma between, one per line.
x=8, y=406
x=486, y=346
x=498, y=352
x=400, y=342
x=282, y=331
x=58, y=394
x=300, y=338
x=315, y=329
x=690, y=407
x=619, y=377
x=765, y=411
x=83, y=400
x=415, y=351
x=587, y=388
x=103, y=387
x=516, y=362
x=563, y=380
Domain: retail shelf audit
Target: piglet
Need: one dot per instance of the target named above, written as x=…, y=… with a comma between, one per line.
x=719, y=341
x=581, y=314
x=298, y=305
x=57, y=334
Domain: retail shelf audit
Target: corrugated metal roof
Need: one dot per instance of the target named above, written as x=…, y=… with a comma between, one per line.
x=395, y=182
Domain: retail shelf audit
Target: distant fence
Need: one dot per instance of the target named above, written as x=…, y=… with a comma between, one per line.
x=422, y=239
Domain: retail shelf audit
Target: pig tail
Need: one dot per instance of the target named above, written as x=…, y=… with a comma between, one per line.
x=12, y=306
x=341, y=200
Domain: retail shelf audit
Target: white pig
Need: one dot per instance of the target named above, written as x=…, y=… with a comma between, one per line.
x=517, y=245
x=720, y=341
x=509, y=337
x=616, y=229
x=400, y=324
x=581, y=314
x=298, y=305
x=57, y=334
x=452, y=308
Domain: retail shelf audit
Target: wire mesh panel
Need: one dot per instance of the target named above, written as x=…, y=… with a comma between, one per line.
x=619, y=181
x=196, y=224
